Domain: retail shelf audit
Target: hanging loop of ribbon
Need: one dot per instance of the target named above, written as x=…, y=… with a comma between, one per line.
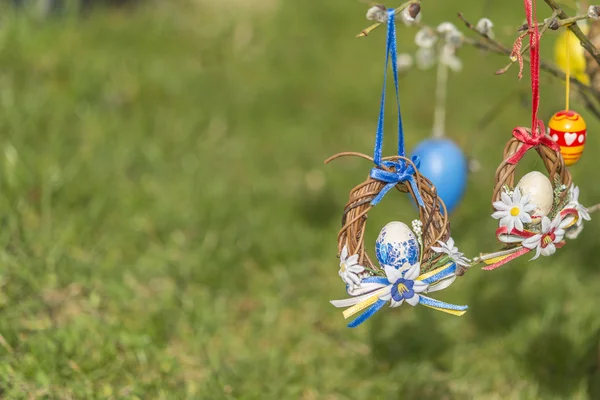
x=400, y=171
x=390, y=51
x=538, y=136
x=536, y=139
x=392, y=172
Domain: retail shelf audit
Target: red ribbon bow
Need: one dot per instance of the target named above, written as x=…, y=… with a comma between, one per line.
x=537, y=138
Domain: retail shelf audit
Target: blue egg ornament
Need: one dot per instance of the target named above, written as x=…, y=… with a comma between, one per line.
x=445, y=165
x=396, y=245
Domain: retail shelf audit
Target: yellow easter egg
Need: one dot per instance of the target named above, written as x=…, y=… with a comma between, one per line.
x=568, y=129
x=576, y=54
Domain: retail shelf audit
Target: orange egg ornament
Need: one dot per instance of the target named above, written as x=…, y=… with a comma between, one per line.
x=568, y=129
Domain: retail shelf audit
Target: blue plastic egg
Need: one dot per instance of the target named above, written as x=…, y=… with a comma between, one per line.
x=396, y=245
x=445, y=165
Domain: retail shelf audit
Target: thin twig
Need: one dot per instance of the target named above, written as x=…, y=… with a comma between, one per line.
x=493, y=46
x=486, y=38
x=589, y=104
x=585, y=42
x=526, y=47
x=558, y=23
x=594, y=208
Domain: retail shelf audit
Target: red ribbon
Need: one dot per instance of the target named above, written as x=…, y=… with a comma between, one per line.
x=537, y=138
x=538, y=133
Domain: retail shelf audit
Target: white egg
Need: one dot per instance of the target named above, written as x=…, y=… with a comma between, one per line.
x=397, y=245
x=538, y=187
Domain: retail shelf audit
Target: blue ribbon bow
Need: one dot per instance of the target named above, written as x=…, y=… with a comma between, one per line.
x=402, y=171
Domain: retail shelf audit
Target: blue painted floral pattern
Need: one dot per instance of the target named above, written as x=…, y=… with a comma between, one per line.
x=396, y=253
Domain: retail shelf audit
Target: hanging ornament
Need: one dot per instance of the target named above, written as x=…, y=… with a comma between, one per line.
x=442, y=160
x=569, y=54
x=410, y=263
x=536, y=214
x=567, y=128
x=445, y=165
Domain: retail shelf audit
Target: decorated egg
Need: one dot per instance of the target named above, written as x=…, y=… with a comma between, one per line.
x=576, y=60
x=445, y=165
x=396, y=245
x=538, y=187
x=568, y=129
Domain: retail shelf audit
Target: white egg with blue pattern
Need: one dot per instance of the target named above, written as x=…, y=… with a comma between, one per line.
x=397, y=245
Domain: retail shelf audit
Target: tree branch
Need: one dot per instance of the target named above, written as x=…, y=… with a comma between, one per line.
x=585, y=42
x=491, y=45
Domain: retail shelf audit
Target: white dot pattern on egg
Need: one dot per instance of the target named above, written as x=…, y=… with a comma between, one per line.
x=539, y=189
x=396, y=245
x=581, y=138
x=555, y=137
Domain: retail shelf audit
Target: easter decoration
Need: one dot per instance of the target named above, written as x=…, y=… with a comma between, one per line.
x=570, y=56
x=439, y=154
x=537, y=213
x=567, y=128
x=410, y=263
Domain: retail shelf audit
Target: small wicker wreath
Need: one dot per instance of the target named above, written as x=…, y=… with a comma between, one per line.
x=433, y=214
x=553, y=161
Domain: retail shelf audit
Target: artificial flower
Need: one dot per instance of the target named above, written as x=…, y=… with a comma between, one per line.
x=551, y=234
x=574, y=203
x=584, y=214
x=350, y=268
x=513, y=212
x=403, y=285
x=449, y=248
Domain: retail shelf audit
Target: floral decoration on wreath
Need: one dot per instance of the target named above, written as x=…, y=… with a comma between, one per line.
x=539, y=212
x=410, y=263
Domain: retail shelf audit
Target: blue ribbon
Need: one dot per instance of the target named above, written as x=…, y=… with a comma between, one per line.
x=368, y=313
x=450, y=270
x=390, y=49
x=402, y=171
x=440, y=304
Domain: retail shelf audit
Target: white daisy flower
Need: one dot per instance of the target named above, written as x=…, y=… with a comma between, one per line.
x=349, y=268
x=544, y=243
x=449, y=248
x=513, y=212
x=403, y=285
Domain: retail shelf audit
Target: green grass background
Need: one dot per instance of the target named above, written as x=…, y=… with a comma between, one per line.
x=168, y=228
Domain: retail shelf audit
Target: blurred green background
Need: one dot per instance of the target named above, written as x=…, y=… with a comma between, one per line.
x=168, y=228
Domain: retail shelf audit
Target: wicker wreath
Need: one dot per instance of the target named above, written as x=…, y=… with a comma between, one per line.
x=553, y=161
x=433, y=214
